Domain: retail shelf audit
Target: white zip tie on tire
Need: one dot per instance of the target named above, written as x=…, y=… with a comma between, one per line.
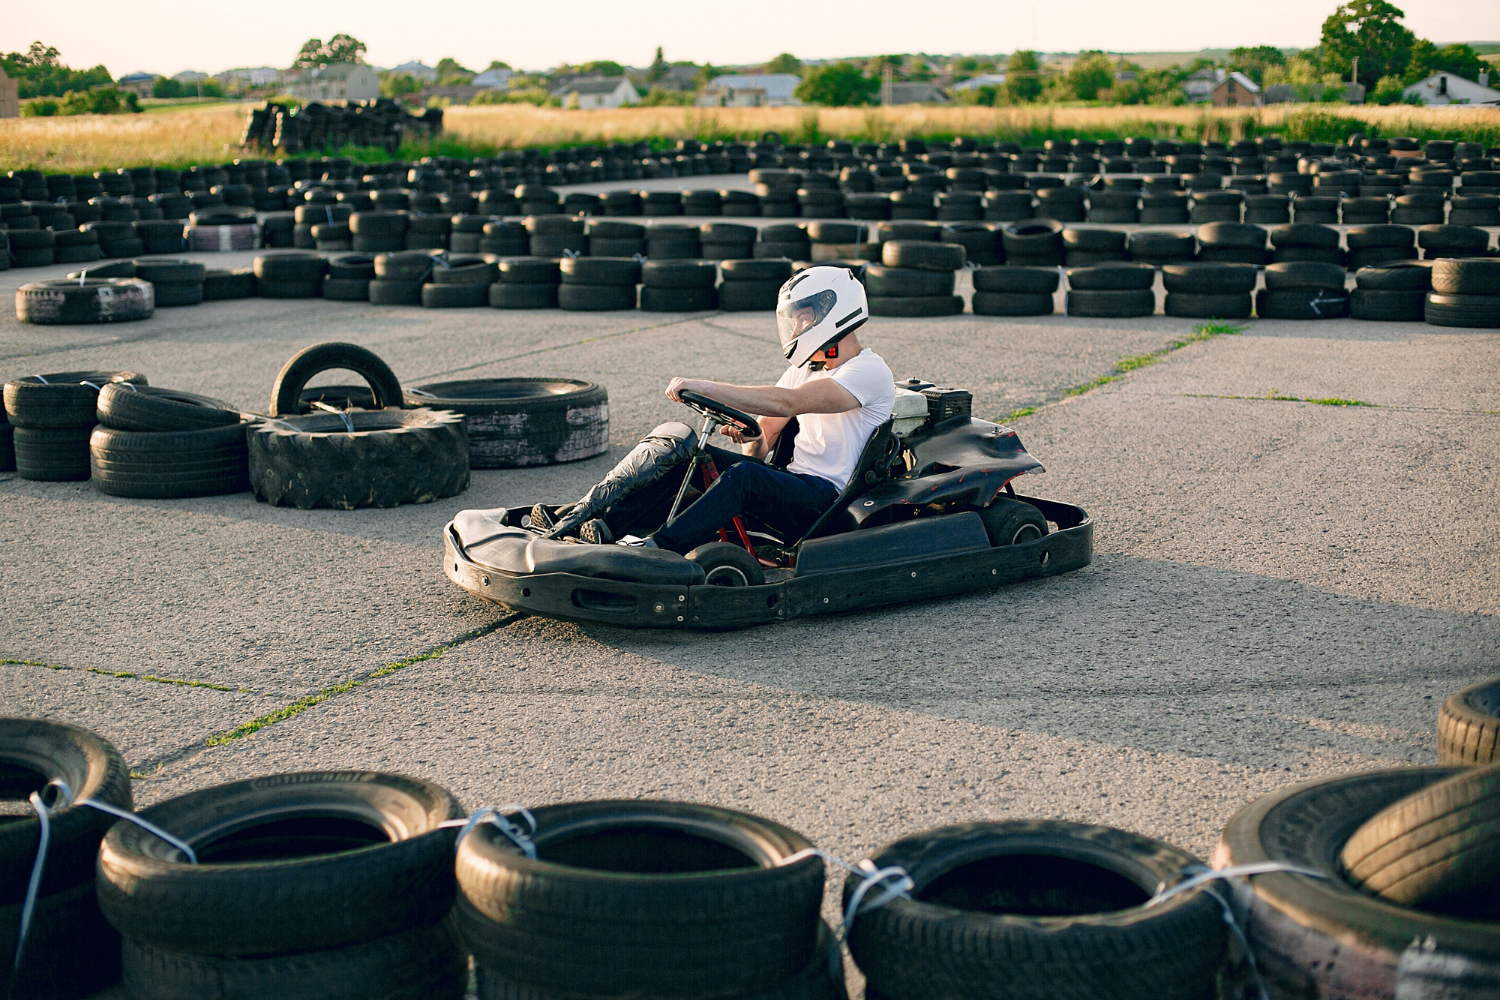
x=419, y=392
x=872, y=876
x=1203, y=875
x=341, y=414
x=499, y=818
x=63, y=800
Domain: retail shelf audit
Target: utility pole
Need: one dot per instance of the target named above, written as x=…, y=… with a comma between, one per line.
x=887, y=79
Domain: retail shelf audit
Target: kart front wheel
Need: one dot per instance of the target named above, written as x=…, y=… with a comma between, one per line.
x=1013, y=522
x=728, y=565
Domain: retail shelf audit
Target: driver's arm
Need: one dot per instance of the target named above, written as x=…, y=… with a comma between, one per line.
x=820, y=395
x=763, y=446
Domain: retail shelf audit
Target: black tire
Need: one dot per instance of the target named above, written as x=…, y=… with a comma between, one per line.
x=1437, y=850
x=289, y=863
x=914, y=306
x=1013, y=303
x=1371, y=237
x=524, y=421
x=32, y=753
x=395, y=293
x=1400, y=307
x=1304, y=274
x=466, y=271
x=310, y=361
x=1198, y=305
x=378, y=224
x=1094, y=240
x=52, y=454
x=169, y=465
x=1471, y=276
x=1469, y=725
x=1232, y=234
x=1468, y=311
x=922, y=255
x=178, y=295
x=1301, y=303
x=71, y=953
x=756, y=270
x=346, y=289
x=106, y=300
x=1460, y=239
x=1012, y=522
x=908, y=281
x=221, y=285
x=600, y=271
x=515, y=295
x=681, y=275
x=1138, y=302
x=595, y=298
x=455, y=296
x=1016, y=280
x=169, y=272
x=660, y=899
x=678, y=299
x=726, y=564
x=1038, y=909
x=1121, y=276
x=423, y=963
x=123, y=406
x=1303, y=234
x=352, y=265
x=290, y=268
x=749, y=296
x=599, y=246
x=1162, y=247
x=1209, y=279
x=530, y=271
x=767, y=250
x=114, y=269
x=1301, y=929
x=1403, y=276
x=406, y=266
x=59, y=399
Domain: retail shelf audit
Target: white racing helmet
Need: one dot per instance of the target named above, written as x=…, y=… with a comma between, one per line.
x=817, y=308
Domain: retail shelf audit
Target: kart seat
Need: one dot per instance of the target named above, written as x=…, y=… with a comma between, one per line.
x=874, y=466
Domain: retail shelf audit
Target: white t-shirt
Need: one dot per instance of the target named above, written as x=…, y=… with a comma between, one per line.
x=828, y=444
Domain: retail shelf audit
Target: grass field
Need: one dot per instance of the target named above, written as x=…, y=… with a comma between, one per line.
x=210, y=134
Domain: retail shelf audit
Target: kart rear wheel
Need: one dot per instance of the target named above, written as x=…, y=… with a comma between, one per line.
x=728, y=565
x=1013, y=522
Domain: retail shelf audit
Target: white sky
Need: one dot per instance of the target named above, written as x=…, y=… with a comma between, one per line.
x=166, y=36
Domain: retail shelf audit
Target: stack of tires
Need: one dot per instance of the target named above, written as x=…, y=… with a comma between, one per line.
x=514, y=422
x=427, y=232
x=598, y=284
x=85, y=300
x=1396, y=291
x=1409, y=904
x=508, y=239
x=751, y=285
x=608, y=238
x=1114, y=290
x=307, y=885
x=1085, y=247
x=915, y=279
x=1209, y=290
x=1303, y=290
x=399, y=278
x=1306, y=242
x=1465, y=293
x=1033, y=243
x=176, y=282
x=650, y=899
x=787, y=240
x=118, y=239
x=377, y=231
x=164, y=444
x=220, y=284
x=679, y=286
x=1453, y=241
x=1014, y=291
x=54, y=416
x=460, y=282
x=1216, y=206
x=215, y=229
x=672, y=242
x=555, y=236
x=70, y=952
x=468, y=230
x=33, y=247
x=1232, y=243
x=726, y=241
x=526, y=283
x=81, y=246
x=380, y=457
x=1469, y=725
x=295, y=275
x=1379, y=245
x=1160, y=249
x=1036, y=910
x=349, y=278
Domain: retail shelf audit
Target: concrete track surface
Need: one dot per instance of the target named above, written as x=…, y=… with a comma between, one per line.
x=1282, y=589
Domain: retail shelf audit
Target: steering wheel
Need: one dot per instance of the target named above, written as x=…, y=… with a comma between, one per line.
x=714, y=408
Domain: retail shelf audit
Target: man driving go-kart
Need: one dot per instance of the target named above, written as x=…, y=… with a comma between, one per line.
x=839, y=393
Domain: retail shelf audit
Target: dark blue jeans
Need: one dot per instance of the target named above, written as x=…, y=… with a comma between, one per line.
x=787, y=503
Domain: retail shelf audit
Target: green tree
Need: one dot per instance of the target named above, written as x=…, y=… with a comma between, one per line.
x=316, y=53
x=658, y=67
x=876, y=67
x=1091, y=73
x=39, y=72
x=1427, y=59
x=1023, y=76
x=1253, y=60
x=785, y=63
x=496, y=64
x=705, y=75
x=1370, y=32
x=602, y=67
x=450, y=73
x=166, y=87
x=838, y=85
x=1388, y=90
x=396, y=85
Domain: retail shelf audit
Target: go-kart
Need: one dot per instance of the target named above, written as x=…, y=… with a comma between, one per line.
x=929, y=511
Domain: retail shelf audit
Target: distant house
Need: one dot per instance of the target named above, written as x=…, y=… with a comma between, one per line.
x=982, y=80
x=678, y=78
x=1450, y=88
x=10, y=97
x=493, y=79
x=416, y=71
x=339, y=82
x=259, y=76
x=140, y=84
x=1237, y=90
x=592, y=92
x=1201, y=85
x=190, y=77
x=751, y=90
x=915, y=93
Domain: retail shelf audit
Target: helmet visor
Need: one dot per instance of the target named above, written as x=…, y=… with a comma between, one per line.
x=795, y=317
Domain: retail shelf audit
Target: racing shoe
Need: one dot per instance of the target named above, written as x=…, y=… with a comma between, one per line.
x=596, y=532
x=541, y=518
